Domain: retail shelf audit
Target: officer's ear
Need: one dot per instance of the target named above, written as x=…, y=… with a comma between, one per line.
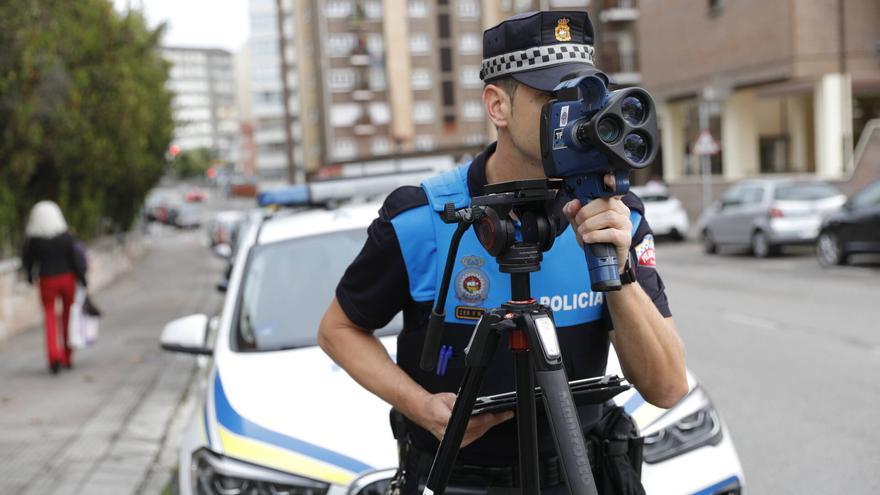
x=498, y=104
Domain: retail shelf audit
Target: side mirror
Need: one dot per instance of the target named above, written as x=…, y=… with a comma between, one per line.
x=223, y=251
x=187, y=335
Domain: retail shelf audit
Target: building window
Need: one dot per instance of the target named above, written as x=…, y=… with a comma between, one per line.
x=474, y=139
x=375, y=43
x=418, y=8
x=341, y=44
x=344, y=149
x=381, y=146
x=715, y=6
x=472, y=110
x=336, y=9
x=424, y=142
x=470, y=43
x=421, y=79
x=774, y=154
x=448, y=94
x=377, y=78
x=443, y=27
x=446, y=59
x=379, y=113
x=470, y=77
x=342, y=79
x=373, y=9
x=423, y=112
x=468, y=9
x=419, y=43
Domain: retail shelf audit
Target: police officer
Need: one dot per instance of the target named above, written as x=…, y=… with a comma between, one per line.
x=400, y=265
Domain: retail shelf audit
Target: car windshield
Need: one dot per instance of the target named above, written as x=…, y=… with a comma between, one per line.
x=805, y=192
x=288, y=286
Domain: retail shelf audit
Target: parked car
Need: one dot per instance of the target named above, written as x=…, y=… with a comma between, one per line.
x=855, y=228
x=664, y=213
x=185, y=216
x=224, y=226
x=766, y=214
x=277, y=415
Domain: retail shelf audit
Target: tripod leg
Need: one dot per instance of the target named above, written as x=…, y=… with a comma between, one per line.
x=479, y=355
x=526, y=423
x=566, y=428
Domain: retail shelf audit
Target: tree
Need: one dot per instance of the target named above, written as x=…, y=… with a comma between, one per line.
x=193, y=163
x=85, y=117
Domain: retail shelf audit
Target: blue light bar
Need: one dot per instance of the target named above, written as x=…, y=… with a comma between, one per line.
x=285, y=196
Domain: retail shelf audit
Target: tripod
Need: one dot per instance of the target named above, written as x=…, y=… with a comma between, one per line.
x=530, y=331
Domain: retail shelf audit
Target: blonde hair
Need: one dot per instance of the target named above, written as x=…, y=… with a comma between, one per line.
x=46, y=220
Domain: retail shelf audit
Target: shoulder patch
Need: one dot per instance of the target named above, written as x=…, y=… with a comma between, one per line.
x=401, y=199
x=645, y=253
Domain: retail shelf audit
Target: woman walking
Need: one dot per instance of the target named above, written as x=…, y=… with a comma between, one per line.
x=50, y=252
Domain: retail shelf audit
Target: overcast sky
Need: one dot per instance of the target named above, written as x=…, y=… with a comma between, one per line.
x=197, y=23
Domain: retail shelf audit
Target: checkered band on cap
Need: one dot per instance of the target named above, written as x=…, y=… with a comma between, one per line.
x=535, y=58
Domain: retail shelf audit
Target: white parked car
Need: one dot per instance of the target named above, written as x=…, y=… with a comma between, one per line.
x=278, y=416
x=664, y=213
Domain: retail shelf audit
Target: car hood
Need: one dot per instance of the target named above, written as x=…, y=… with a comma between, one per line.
x=298, y=412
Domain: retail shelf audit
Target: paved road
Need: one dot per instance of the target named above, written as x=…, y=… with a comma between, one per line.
x=790, y=352
x=101, y=427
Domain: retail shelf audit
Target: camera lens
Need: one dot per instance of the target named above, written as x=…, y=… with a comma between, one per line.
x=608, y=130
x=635, y=147
x=633, y=110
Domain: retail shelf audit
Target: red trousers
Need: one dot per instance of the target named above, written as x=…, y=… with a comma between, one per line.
x=51, y=287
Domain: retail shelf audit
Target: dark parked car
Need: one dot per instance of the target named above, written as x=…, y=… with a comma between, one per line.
x=855, y=228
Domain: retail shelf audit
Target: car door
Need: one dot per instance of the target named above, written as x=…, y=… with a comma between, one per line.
x=752, y=206
x=863, y=232
x=720, y=224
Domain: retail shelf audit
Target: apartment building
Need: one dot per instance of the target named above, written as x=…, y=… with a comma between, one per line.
x=203, y=84
x=787, y=86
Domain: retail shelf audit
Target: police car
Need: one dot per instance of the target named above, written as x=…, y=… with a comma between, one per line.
x=277, y=416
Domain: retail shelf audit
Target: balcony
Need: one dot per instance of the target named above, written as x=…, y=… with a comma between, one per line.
x=364, y=125
x=619, y=11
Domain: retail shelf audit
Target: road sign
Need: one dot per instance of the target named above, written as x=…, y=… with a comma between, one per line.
x=705, y=144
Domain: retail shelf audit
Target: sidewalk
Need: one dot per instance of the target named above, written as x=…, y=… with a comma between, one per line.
x=100, y=428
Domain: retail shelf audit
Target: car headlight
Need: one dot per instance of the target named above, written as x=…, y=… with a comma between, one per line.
x=374, y=483
x=691, y=424
x=213, y=474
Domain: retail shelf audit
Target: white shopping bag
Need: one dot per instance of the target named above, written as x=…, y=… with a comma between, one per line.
x=83, y=328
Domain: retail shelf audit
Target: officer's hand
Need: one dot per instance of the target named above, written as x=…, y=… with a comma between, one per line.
x=437, y=410
x=602, y=220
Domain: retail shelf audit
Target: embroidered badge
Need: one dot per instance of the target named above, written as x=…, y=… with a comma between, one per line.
x=645, y=252
x=472, y=283
x=563, y=32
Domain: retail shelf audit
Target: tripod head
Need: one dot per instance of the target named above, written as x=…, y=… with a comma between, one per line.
x=527, y=204
x=495, y=216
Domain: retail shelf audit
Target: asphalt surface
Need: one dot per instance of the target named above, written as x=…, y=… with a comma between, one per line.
x=790, y=353
x=101, y=427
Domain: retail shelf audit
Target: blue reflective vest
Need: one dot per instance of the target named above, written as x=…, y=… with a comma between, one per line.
x=562, y=284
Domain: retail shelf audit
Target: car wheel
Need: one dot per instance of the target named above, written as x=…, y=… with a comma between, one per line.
x=829, y=251
x=709, y=244
x=675, y=235
x=761, y=246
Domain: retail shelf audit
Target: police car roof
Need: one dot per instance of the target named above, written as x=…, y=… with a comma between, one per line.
x=318, y=221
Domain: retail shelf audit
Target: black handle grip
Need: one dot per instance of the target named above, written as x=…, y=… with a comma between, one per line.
x=431, y=347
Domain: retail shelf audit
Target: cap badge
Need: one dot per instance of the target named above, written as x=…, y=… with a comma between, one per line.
x=563, y=32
